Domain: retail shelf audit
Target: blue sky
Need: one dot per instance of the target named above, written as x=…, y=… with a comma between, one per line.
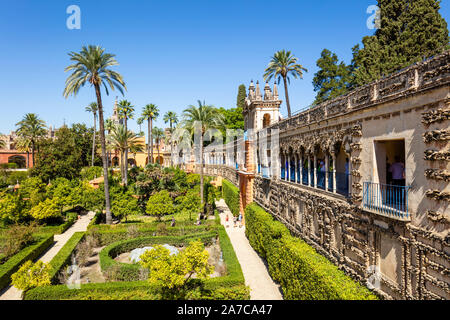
x=171, y=53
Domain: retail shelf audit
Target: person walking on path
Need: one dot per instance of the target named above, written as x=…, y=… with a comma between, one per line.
x=234, y=220
x=240, y=220
x=227, y=221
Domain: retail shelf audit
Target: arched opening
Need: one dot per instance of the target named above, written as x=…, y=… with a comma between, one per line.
x=159, y=160
x=115, y=162
x=132, y=162
x=266, y=120
x=19, y=160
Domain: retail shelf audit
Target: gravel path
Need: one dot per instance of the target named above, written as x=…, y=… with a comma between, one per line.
x=256, y=275
x=12, y=293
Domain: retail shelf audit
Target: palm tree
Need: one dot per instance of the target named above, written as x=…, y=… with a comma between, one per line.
x=282, y=65
x=158, y=135
x=140, y=121
x=92, y=66
x=92, y=107
x=150, y=113
x=121, y=139
x=126, y=112
x=109, y=125
x=23, y=144
x=207, y=117
x=135, y=148
x=172, y=118
x=31, y=128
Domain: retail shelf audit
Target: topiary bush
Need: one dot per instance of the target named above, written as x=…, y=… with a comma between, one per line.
x=231, y=196
x=302, y=273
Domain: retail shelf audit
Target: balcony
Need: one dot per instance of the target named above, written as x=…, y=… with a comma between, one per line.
x=387, y=200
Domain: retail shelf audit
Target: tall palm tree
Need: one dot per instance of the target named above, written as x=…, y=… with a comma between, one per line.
x=23, y=144
x=121, y=139
x=92, y=107
x=172, y=118
x=158, y=135
x=207, y=117
x=109, y=125
x=92, y=66
x=125, y=111
x=31, y=128
x=140, y=121
x=150, y=113
x=282, y=65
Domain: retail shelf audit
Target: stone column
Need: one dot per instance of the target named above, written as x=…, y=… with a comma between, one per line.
x=315, y=171
x=334, y=173
x=288, y=169
x=309, y=170
x=301, y=169
x=327, y=168
x=295, y=168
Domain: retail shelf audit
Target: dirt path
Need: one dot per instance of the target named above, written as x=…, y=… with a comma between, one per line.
x=12, y=293
x=256, y=275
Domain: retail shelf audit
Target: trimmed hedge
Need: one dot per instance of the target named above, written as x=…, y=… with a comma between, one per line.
x=303, y=273
x=63, y=257
x=131, y=272
x=29, y=253
x=135, y=290
x=231, y=196
x=111, y=235
x=57, y=229
x=229, y=287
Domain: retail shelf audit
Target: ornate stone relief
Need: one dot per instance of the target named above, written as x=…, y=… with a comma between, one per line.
x=437, y=217
x=433, y=155
x=438, y=195
x=436, y=135
x=433, y=116
x=437, y=174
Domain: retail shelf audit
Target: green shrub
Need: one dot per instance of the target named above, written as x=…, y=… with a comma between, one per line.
x=302, y=273
x=16, y=238
x=131, y=272
x=136, y=290
x=31, y=275
x=29, y=253
x=63, y=257
x=231, y=196
x=229, y=287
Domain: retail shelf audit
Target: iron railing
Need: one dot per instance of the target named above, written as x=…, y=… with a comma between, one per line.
x=386, y=199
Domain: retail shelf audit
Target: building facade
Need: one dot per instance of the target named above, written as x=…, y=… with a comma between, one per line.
x=363, y=178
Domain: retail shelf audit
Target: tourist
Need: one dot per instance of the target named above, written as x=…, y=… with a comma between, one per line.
x=226, y=220
x=240, y=220
x=234, y=221
x=398, y=172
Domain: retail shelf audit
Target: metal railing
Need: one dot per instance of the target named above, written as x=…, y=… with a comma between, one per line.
x=386, y=199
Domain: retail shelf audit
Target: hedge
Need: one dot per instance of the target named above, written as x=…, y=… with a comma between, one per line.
x=31, y=252
x=56, y=229
x=63, y=257
x=130, y=272
x=230, y=287
x=111, y=235
x=231, y=196
x=302, y=273
x=133, y=290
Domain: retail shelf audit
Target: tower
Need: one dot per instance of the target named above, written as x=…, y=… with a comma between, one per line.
x=259, y=111
x=115, y=116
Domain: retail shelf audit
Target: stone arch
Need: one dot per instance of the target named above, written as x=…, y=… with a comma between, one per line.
x=21, y=161
x=266, y=120
x=115, y=161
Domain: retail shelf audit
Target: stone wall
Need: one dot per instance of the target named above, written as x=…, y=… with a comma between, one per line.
x=412, y=254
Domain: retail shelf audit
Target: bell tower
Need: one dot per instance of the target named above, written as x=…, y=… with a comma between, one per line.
x=261, y=111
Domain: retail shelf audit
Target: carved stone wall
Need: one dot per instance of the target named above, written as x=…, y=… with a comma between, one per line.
x=414, y=263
